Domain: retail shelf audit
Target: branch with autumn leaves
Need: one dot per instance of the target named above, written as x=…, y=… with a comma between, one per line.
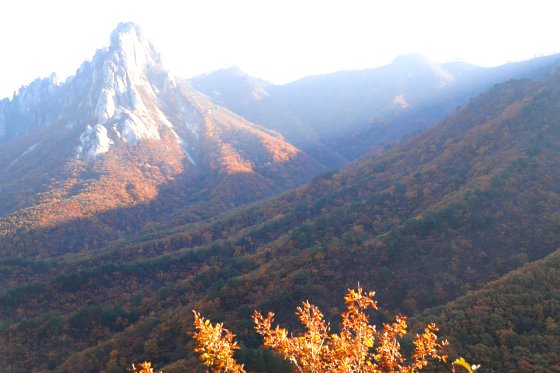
x=358, y=347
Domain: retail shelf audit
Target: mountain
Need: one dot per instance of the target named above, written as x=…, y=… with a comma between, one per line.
x=346, y=115
x=424, y=223
x=126, y=142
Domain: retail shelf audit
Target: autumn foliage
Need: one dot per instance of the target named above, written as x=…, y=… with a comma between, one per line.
x=358, y=347
x=215, y=345
x=144, y=367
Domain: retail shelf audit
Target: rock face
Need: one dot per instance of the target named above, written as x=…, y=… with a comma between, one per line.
x=30, y=109
x=122, y=72
x=124, y=100
x=117, y=96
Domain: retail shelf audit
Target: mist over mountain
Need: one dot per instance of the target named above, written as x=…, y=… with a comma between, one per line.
x=346, y=115
x=130, y=197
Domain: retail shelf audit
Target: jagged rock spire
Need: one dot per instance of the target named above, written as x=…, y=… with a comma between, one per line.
x=125, y=97
x=132, y=48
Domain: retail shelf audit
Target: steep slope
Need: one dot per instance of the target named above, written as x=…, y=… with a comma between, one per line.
x=121, y=133
x=350, y=114
x=459, y=205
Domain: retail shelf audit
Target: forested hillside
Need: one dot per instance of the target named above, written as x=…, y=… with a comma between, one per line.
x=511, y=324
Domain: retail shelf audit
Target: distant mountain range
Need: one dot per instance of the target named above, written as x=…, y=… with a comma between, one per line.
x=130, y=197
x=343, y=116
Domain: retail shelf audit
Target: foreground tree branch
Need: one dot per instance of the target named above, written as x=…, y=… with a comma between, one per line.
x=359, y=347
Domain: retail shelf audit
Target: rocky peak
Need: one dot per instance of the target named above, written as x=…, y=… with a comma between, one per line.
x=125, y=95
x=131, y=48
x=120, y=96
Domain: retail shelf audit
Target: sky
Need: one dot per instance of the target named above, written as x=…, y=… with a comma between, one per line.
x=279, y=41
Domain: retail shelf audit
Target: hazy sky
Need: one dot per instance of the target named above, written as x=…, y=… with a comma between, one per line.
x=275, y=40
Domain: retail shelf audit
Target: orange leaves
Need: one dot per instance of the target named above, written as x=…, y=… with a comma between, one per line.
x=425, y=344
x=305, y=351
x=359, y=347
x=145, y=367
x=215, y=346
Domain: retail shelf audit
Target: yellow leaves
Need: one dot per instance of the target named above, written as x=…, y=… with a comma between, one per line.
x=303, y=351
x=359, y=347
x=463, y=363
x=215, y=346
x=145, y=367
